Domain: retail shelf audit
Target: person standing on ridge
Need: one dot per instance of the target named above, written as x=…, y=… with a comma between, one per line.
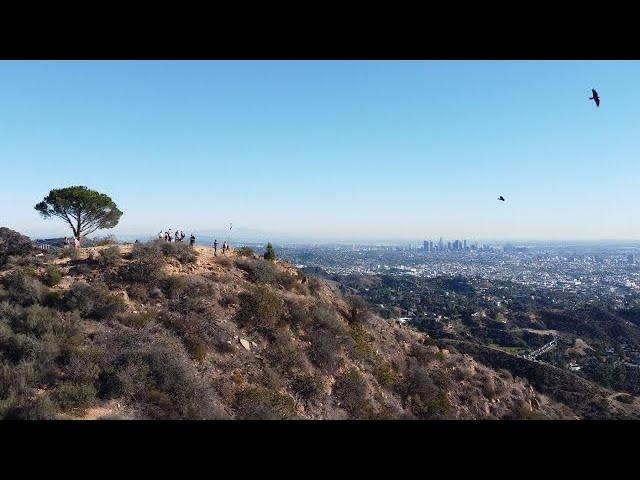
x=192, y=240
x=215, y=248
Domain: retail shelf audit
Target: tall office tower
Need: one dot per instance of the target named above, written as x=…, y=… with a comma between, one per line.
x=440, y=244
x=464, y=244
x=448, y=245
x=430, y=245
x=425, y=246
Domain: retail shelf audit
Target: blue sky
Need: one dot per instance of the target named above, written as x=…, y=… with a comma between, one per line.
x=318, y=149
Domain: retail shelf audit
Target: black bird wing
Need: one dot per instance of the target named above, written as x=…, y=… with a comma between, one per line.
x=597, y=99
x=594, y=93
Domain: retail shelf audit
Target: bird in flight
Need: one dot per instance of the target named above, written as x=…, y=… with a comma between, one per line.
x=595, y=97
x=501, y=198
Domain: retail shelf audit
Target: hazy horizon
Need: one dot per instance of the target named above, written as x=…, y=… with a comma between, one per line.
x=349, y=151
x=241, y=236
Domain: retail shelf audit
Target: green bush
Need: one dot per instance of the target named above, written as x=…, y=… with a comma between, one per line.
x=624, y=398
x=52, y=276
x=306, y=386
x=28, y=408
x=269, y=253
x=324, y=316
x=259, y=307
x=221, y=341
x=137, y=320
x=110, y=257
x=362, y=342
x=229, y=299
x=16, y=378
x=358, y=310
x=173, y=286
x=138, y=291
x=283, y=353
x=180, y=251
x=324, y=350
x=267, y=273
x=257, y=403
x=23, y=287
x=259, y=271
x=224, y=261
x=159, y=378
x=384, y=373
x=298, y=314
x=39, y=321
x=70, y=395
x=245, y=252
x=351, y=391
x=82, y=362
x=421, y=394
x=13, y=243
x=197, y=294
x=93, y=300
x=314, y=284
x=144, y=269
x=196, y=347
x=423, y=354
x=71, y=253
x=80, y=269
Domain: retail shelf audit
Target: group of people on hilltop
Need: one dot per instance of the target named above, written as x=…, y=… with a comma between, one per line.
x=178, y=236
x=225, y=248
x=169, y=236
x=71, y=242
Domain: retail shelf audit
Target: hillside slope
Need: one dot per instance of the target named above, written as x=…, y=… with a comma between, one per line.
x=160, y=330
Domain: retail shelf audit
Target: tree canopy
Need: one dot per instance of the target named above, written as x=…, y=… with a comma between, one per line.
x=83, y=209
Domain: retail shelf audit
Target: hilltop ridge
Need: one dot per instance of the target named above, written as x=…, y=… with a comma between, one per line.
x=160, y=330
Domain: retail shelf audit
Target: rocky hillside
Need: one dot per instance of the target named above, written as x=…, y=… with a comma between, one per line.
x=159, y=331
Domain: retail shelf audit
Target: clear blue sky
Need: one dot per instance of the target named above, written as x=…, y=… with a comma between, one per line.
x=343, y=149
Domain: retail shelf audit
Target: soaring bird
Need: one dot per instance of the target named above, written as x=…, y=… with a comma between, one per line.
x=501, y=198
x=595, y=97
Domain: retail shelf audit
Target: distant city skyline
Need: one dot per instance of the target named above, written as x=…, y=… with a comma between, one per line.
x=348, y=151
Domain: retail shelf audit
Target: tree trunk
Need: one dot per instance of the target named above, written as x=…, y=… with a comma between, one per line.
x=76, y=242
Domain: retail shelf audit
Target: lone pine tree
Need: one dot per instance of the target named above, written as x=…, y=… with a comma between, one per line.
x=83, y=209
